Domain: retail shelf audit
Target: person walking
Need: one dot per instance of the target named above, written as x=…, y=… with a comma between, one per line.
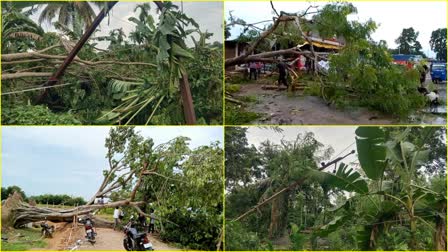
x=252, y=70
x=117, y=214
x=282, y=73
x=152, y=221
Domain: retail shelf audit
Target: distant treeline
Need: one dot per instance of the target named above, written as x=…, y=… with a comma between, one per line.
x=52, y=199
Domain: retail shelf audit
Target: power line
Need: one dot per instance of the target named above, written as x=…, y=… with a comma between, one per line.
x=345, y=149
x=39, y=88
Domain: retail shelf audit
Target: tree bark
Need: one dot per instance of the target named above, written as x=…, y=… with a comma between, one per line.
x=440, y=234
x=11, y=76
x=26, y=213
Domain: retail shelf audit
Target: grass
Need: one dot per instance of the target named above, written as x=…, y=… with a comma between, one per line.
x=23, y=239
x=237, y=115
x=249, y=98
x=233, y=88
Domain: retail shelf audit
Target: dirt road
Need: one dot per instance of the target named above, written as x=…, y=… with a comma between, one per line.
x=107, y=239
x=279, y=107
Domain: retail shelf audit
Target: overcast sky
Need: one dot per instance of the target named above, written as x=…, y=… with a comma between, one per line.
x=209, y=16
x=340, y=138
x=392, y=17
x=70, y=160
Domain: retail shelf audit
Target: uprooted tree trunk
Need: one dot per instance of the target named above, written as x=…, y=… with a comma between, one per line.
x=24, y=213
x=440, y=243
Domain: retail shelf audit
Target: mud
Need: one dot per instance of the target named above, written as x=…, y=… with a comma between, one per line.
x=106, y=239
x=279, y=107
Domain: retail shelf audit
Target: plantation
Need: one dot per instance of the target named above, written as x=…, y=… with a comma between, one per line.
x=389, y=193
x=166, y=70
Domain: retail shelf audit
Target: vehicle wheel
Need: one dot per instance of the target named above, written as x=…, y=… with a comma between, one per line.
x=126, y=245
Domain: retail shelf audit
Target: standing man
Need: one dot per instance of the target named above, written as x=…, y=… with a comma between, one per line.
x=252, y=70
x=282, y=73
x=116, y=217
x=152, y=221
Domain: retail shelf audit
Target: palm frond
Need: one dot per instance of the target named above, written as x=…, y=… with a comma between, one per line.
x=29, y=35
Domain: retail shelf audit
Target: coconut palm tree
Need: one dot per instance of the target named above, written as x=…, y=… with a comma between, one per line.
x=69, y=13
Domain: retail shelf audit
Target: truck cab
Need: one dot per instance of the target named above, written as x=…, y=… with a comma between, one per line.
x=438, y=72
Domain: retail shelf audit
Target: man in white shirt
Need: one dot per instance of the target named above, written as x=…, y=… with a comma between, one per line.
x=116, y=217
x=152, y=221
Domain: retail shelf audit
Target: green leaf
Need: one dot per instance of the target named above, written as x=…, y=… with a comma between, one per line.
x=332, y=226
x=370, y=142
x=344, y=178
x=181, y=52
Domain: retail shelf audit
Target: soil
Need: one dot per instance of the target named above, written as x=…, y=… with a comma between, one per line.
x=281, y=107
x=107, y=239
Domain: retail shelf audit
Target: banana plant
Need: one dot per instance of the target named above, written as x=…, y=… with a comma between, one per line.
x=389, y=197
x=17, y=27
x=167, y=39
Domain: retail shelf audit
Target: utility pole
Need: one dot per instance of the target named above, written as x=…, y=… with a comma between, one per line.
x=60, y=72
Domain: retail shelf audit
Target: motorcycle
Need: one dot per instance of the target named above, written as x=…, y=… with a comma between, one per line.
x=90, y=230
x=133, y=240
x=47, y=230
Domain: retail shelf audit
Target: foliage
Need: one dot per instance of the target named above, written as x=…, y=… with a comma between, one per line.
x=438, y=43
x=35, y=115
x=233, y=88
x=238, y=115
x=58, y=199
x=23, y=239
x=69, y=13
x=185, y=189
x=118, y=93
x=19, y=32
x=238, y=238
x=389, y=203
x=241, y=160
x=297, y=239
x=408, y=43
x=6, y=191
x=365, y=69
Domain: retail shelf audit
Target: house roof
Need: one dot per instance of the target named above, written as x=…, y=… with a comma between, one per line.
x=323, y=43
x=234, y=42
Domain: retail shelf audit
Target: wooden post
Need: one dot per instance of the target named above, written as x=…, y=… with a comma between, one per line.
x=60, y=72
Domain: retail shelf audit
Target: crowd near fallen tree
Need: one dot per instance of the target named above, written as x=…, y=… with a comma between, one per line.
x=358, y=71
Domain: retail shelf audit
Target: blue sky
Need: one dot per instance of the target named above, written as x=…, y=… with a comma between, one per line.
x=392, y=16
x=70, y=160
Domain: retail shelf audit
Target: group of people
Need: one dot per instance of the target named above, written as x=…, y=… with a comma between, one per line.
x=142, y=220
x=255, y=69
x=433, y=96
